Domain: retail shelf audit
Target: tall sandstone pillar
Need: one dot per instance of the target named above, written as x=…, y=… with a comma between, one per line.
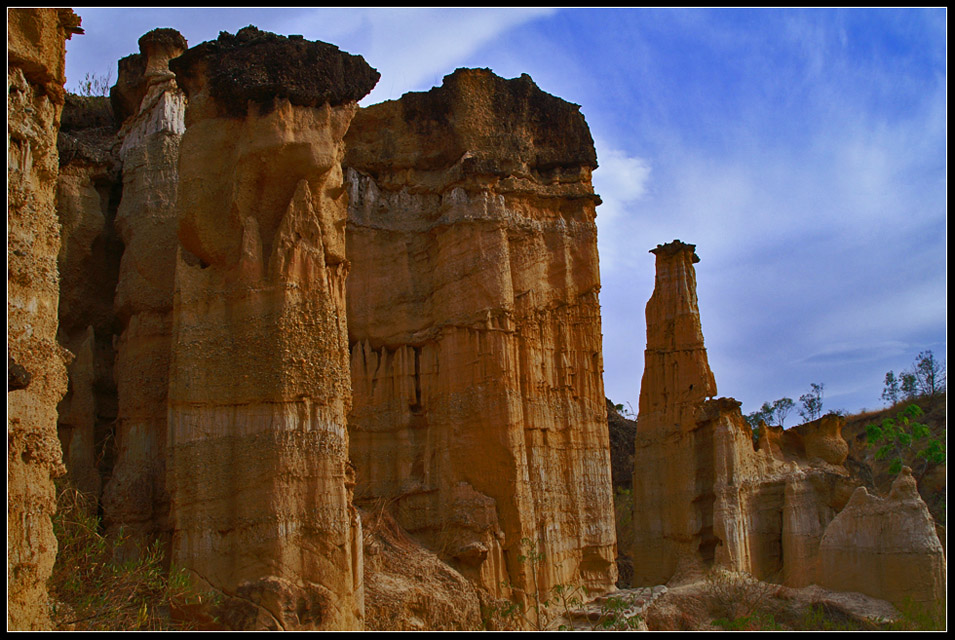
x=703, y=494
x=151, y=107
x=479, y=414
x=36, y=50
x=257, y=456
x=668, y=521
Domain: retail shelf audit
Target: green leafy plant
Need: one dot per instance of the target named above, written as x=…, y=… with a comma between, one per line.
x=626, y=411
x=926, y=377
x=819, y=617
x=756, y=621
x=919, y=616
x=901, y=438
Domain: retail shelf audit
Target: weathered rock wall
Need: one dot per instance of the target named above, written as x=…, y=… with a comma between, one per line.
x=672, y=488
x=36, y=51
x=257, y=457
x=474, y=328
x=135, y=497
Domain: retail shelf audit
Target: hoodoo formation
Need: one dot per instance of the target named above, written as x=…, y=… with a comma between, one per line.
x=257, y=463
x=345, y=365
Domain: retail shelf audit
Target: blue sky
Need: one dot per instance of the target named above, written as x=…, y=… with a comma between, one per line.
x=802, y=151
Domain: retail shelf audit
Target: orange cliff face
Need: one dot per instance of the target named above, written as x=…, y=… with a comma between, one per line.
x=677, y=374
x=474, y=328
x=669, y=520
x=257, y=457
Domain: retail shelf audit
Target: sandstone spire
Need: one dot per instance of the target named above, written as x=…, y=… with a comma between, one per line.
x=135, y=497
x=676, y=375
x=257, y=458
x=703, y=495
x=676, y=381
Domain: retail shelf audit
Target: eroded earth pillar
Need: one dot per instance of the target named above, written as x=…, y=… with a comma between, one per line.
x=257, y=457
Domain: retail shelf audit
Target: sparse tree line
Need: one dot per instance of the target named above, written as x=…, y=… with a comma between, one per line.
x=926, y=377
x=810, y=408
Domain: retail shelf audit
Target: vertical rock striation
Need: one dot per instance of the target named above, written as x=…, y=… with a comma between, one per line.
x=36, y=49
x=671, y=521
x=149, y=139
x=474, y=328
x=257, y=456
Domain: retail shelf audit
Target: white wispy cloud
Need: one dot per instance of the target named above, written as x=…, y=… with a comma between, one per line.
x=621, y=180
x=412, y=48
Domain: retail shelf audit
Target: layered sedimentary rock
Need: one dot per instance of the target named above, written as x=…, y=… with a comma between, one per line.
x=36, y=51
x=885, y=547
x=257, y=456
x=669, y=520
x=474, y=328
x=135, y=497
x=86, y=198
x=703, y=495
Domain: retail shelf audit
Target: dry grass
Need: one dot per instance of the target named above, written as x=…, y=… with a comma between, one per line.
x=91, y=590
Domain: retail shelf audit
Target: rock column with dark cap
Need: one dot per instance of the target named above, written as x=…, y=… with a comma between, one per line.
x=257, y=457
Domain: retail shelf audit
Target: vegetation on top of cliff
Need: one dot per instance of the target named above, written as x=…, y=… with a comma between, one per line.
x=901, y=438
x=926, y=377
x=93, y=85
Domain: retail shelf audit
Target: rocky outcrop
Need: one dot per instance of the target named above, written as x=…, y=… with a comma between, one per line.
x=148, y=148
x=36, y=51
x=885, y=547
x=257, y=457
x=703, y=495
x=474, y=329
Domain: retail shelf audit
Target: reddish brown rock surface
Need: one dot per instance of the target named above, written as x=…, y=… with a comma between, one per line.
x=36, y=40
x=87, y=193
x=474, y=329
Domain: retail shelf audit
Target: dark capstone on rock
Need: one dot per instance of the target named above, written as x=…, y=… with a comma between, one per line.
x=130, y=88
x=259, y=66
x=503, y=125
